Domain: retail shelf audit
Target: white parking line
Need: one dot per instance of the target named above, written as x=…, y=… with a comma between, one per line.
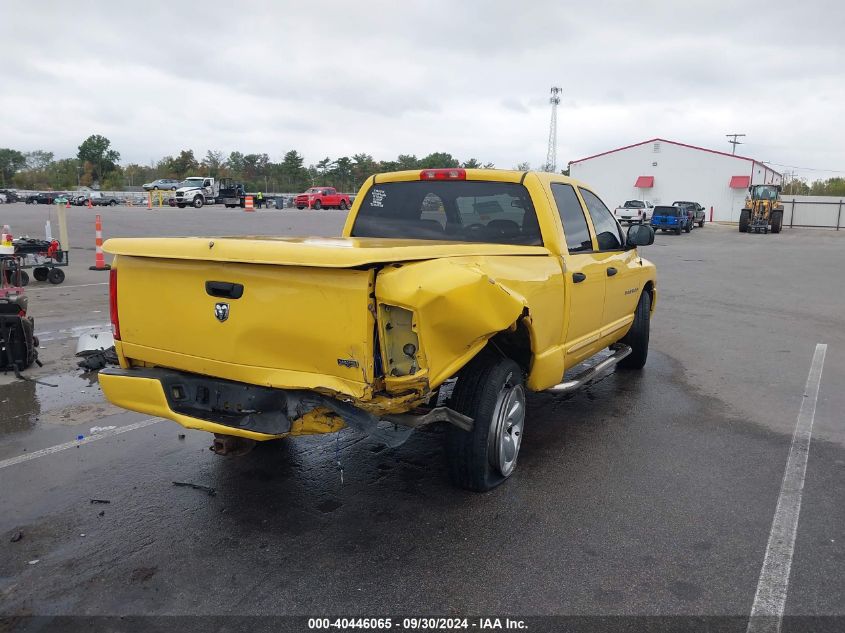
x=770, y=599
x=91, y=438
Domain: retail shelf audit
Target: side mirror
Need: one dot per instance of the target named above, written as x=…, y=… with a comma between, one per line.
x=640, y=235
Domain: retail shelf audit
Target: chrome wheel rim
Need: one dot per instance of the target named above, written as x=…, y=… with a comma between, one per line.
x=506, y=429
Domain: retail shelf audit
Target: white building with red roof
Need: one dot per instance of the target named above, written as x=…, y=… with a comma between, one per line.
x=663, y=171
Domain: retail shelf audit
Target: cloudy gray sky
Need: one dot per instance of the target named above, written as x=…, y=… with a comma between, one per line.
x=386, y=77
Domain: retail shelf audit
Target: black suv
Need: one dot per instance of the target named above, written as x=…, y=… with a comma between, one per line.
x=695, y=210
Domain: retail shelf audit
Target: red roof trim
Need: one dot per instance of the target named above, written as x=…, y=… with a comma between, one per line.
x=644, y=182
x=663, y=140
x=740, y=182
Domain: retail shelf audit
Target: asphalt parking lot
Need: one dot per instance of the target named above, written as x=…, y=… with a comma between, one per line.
x=645, y=494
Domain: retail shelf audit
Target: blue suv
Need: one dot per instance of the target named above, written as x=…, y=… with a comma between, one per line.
x=671, y=219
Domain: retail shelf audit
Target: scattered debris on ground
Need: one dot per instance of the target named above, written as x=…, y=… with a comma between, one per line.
x=186, y=484
x=17, y=536
x=93, y=360
x=100, y=501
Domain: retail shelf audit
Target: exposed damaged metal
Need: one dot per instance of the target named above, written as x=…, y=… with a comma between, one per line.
x=277, y=412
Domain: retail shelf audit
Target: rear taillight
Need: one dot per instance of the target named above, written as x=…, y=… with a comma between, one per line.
x=115, y=320
x=443, y=174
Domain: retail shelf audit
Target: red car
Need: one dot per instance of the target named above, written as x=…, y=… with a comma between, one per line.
x=322, y=198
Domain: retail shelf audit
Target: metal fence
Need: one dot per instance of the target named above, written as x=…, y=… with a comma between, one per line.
x=813, y=211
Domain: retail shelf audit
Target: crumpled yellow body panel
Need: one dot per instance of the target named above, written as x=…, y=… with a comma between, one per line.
x=462, y=302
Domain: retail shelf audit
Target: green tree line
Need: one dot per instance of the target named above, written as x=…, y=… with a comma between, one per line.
x=97, y=164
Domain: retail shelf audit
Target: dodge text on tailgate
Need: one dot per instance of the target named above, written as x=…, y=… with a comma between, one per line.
x=491, y=282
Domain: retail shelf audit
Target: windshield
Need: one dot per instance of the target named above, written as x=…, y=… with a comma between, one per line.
x=457, y=211
x=192, y=182
x=764, y=192
x=634, y=204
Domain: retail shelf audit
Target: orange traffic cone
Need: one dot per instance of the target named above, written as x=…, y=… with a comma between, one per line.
x=99, y=259
x=89, y=203
x=248, y=204
x=67, y=203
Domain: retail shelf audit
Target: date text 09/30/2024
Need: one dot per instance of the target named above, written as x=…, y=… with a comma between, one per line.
x=415, y=624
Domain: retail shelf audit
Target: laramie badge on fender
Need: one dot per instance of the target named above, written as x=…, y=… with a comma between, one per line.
x=221, y=311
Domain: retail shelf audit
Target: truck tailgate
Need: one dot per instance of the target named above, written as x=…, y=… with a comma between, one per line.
x=292, y=327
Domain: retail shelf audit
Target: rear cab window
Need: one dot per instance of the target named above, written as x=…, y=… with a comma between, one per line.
x=457, y=211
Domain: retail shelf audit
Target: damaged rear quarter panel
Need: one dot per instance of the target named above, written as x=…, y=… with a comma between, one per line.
x=461, y=302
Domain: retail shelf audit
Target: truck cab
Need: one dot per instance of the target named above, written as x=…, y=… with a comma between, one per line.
x=196, y=191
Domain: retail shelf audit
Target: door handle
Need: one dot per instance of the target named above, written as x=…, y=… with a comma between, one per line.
x=611, y=271
x=578, y=277
x=224, y=289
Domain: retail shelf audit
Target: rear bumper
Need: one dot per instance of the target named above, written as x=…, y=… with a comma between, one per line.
x=254, y=412
x=143, y=391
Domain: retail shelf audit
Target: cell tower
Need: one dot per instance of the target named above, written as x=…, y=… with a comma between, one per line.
x=551, y=152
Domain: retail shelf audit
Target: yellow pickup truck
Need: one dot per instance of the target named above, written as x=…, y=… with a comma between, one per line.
x=450, y=293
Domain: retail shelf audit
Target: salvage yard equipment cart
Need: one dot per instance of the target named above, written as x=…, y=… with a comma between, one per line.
x=45, y=257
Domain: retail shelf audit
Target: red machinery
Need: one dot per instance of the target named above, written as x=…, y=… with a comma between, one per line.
x=18, y=343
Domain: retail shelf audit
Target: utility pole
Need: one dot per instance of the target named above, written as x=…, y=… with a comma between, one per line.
x=734, y=142
x=551, y=152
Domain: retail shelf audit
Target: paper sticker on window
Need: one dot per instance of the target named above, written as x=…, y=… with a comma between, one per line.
x=378, y=198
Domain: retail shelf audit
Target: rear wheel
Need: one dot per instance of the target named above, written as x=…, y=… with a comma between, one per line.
x=744, y=220
x=56, y=276
x=490, y=390
x=300, y=206
x=342, y=205
x=701, y=223
x=40, y=273
x=181, y=205
x=688, y=226
x=777, y=221
x=637, y=336
x=24, y=278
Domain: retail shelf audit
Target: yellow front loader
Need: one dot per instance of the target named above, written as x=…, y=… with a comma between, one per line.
x=763, y=210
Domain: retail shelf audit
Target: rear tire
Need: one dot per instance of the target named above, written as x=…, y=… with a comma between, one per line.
x=637, y=337
x=777, y=221
x=688, y=227
x=300, y=206
x=342, y=205
x=180, y=205
x=24, y=278
x=56, y=276
x=490, y=390
x=744, y=220
x=41, y=273
x=701, y=224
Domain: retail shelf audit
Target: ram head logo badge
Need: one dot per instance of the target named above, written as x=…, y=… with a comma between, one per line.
x=221, y=311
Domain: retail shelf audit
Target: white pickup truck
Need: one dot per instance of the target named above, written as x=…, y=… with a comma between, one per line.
x=634, y=212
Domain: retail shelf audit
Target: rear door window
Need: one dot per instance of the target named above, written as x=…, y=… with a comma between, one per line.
x=572, y=216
